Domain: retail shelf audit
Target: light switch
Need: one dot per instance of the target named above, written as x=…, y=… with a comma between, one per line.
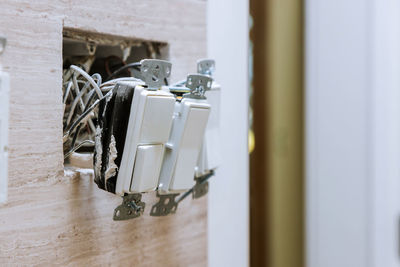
x=149, y=124
x=184, y=145
x=147, y=168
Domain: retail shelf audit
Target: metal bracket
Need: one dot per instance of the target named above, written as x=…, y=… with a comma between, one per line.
x=131, y=207
x=165, y=205
x=201, y=187
x=198, y=85
x=3, y=42
x=155, y=72
x=206, y=66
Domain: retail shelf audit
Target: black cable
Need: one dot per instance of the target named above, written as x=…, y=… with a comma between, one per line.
x=201, y=179
x=83, y=115
x=135, y=65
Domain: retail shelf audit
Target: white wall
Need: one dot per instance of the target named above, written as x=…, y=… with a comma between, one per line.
x=352, y=133
x=228, y=217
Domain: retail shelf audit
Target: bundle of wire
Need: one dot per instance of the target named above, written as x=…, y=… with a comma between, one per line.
x=81, y=95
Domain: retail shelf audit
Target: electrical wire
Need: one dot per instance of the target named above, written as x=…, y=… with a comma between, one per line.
x=67, y=92
x=135, y=65
x=89, y=79
x=201, y=180
x=81, y=87
x=107, y=86
x=82, y=116
x=92, y=94
x=98, y=78
x=77, y=99
x=77, y=147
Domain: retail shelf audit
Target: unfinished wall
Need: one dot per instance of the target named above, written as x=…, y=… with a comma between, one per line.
x=55, y=219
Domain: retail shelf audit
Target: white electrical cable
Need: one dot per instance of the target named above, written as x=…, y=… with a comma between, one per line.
x=79, y=120
x=90, y=142
x=77, y=99
x=79, y=88
x=77, y=91
x=80, y=94
x=98, y=78
x=89, y=79
x=67, y=92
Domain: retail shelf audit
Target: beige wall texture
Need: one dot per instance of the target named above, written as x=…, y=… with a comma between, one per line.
x=51, y=218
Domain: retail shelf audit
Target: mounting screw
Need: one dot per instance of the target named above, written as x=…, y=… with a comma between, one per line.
x=91, y=47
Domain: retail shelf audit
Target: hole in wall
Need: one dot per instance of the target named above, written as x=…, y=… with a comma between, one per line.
x=104, y=58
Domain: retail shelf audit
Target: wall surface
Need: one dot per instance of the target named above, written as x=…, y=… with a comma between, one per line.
x=337, y=136
x=52, y=218
x=228, y=220
x=353, y=133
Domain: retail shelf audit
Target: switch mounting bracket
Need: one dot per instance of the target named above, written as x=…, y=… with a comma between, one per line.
x=131, y=207
x=201, y=187
x=165, y=205
x=155, y=72
x=198, y=85
x=206, y=66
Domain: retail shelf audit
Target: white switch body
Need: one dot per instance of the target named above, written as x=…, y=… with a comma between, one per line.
x=210, y=155
x=184, y=145
x=148, y=130
x=4, y=113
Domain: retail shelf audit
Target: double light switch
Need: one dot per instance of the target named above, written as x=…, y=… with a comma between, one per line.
x=148, y=138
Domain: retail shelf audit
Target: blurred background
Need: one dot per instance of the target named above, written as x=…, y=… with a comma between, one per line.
x=277, y=124
x=324, y=133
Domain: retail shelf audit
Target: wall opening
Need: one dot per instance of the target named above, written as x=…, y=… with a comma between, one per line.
x=104, y=58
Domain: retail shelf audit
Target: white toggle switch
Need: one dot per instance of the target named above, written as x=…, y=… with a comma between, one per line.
x=184, y=144
x=147, y=168
x=4, y=99
x=148, y=130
